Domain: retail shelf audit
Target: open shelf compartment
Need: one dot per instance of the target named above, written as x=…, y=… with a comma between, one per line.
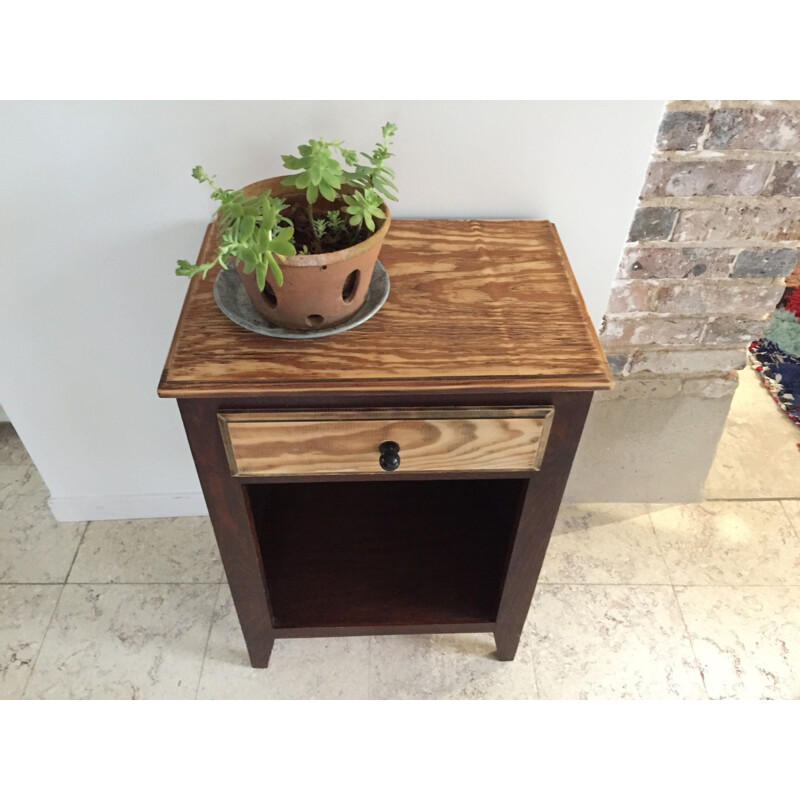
x=373, y=553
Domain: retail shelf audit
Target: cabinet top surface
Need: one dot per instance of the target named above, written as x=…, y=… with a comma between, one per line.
x=474, y=304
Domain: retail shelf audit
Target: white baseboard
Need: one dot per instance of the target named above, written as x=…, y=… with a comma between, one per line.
x=132, y=506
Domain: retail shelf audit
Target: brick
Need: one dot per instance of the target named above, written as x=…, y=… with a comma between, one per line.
x=717, y=297
x=765, y=263
x=785, y=179
x=687, y=362
x=647, y=329
x=724, y=126
x=754, y=129
x=712, y=387
x=733, y=330
x=721, y=224
x=641, y=389
x=652, y=223
x=680, y=130
x=675, y=262
x=617, y=363
x=692, y=179
x=629, y=296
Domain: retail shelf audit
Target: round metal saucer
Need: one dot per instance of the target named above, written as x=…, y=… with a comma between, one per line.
x=233, y=301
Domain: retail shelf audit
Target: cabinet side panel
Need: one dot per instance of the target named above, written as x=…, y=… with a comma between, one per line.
x=232, y=521
x=537, y=515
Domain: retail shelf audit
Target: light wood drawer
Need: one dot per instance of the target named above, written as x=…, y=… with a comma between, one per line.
x=349, y=442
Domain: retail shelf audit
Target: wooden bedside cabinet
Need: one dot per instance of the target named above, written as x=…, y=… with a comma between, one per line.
x=403, y=476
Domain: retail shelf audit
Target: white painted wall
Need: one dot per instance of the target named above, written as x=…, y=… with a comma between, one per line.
x=97, y=203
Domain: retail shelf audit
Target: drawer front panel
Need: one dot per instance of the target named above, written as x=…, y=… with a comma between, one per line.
x=274, y=444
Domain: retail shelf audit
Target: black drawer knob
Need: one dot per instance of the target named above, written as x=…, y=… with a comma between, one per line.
x=390, y=456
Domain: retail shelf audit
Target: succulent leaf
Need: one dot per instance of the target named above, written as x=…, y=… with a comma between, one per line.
x=261, y=275
x=253, y=231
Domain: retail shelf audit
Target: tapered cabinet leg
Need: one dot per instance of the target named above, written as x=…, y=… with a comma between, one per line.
x=507, y=644
x=536, y=517
x=260, y=653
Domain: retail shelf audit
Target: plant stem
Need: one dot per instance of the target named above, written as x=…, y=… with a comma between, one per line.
x=355, y=236
x=311, y=221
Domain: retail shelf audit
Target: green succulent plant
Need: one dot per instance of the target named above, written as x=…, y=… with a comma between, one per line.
x=364, y=207
x=256, y=231
x=252, y=230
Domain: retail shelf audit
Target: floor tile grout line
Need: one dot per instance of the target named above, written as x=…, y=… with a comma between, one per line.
x=673, y=594
x=144, y=583
x=44, y=638
x=708, y=500
x=736, y=500
x=208, y=639
x=77, y=550
x=369, y=668
x=542, y=583
x=682, y=584
x=691, y=642
x=32, y=583
x=533, y=664
x=55, y=609
x=789, y=517
x=604, y=583
x=110, y=583
x=661, y=552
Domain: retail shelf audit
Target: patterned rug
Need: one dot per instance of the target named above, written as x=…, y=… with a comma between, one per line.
x=776, y=357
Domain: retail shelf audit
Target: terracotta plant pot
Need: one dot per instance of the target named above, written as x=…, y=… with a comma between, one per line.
x=319, y=290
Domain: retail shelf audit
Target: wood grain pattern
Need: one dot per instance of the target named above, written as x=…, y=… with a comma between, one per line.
x=474, y=304
x=430, y=440
x=481, y=365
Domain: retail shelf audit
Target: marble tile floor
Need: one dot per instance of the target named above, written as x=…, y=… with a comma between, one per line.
x=758, y=455
x=634, y=602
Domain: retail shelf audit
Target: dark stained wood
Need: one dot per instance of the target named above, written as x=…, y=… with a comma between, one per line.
x=464, y=333
x=387, y=630
x=474, y=304
x=233, y=526
x=394, y=553
x=537, y=515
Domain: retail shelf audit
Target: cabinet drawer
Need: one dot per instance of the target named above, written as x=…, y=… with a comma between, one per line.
x=283, y=443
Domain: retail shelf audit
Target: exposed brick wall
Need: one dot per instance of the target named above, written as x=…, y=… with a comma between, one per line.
x=716, y=231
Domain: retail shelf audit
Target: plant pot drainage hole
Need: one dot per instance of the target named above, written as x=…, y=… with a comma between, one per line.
x=269, y=296
x=315, y=320
x=350, y=285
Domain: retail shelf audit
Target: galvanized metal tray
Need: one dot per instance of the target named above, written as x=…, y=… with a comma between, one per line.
x=233, y=301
